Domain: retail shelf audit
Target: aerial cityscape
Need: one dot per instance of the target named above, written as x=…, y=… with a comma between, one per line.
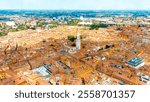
x=74, y=47
x=76, y=50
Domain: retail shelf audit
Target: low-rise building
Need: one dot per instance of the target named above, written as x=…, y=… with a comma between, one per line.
x=136, y=62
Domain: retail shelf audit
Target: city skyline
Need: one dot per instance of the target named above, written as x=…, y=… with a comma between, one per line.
x=76, y=5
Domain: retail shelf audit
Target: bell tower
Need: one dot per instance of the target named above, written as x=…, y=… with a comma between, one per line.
x=78, y=42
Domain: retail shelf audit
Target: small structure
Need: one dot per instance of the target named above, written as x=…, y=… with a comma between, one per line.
x=136, y=62
x=72, y=51
x=145, y=78
x=43, y=70
x=85, y=23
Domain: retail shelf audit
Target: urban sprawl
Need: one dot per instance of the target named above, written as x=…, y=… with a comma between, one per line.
x=106, y=50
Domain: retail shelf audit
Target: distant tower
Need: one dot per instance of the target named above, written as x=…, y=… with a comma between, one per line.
x=78, y=42
x=81, y=17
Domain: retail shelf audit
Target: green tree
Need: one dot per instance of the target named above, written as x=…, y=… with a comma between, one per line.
x=41, y=24
x=71, y=38
x=98, y=25
x=73, y=22
x=3, y=34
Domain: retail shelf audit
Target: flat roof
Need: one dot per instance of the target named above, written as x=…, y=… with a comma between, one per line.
x=42, y=70
x=136, y=61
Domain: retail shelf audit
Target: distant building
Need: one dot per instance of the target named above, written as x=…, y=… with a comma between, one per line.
x=136, y=62
x=33, y=23
x=146, y=40
x=81, y=18
x=85, y=23
x=11, y=24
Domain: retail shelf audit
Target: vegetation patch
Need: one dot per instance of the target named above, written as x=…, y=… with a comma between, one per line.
x=98, y=25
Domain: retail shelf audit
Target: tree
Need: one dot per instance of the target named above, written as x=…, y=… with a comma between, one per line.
x=71, y=38
x=22, y=27
x=73, y=22
x=41, y=24
x=98, y=25
x=2, y=34
x=54, y=23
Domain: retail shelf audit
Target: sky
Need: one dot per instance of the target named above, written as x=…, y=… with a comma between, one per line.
x=76, y=4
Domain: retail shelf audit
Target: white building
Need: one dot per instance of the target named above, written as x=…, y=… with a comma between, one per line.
x=145, y=78
x=11, y=24
x=85, y=23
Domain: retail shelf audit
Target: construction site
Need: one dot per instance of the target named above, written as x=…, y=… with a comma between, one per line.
x=116, y=55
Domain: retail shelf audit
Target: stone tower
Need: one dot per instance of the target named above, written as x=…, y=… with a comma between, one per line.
x=78, y=42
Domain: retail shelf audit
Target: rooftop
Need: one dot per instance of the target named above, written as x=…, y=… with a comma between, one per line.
x=42, y=70
x=135, y=62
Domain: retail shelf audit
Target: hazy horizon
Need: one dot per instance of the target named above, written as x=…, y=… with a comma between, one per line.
x=79, y=9
x=74, y=5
